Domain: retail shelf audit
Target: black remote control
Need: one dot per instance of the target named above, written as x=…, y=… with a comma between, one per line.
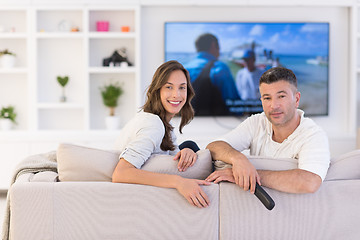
x=264, y=197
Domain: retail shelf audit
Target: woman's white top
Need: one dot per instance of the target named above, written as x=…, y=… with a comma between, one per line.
x=141, y=137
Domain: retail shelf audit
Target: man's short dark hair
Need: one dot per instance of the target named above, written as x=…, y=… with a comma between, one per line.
x=204, y=41
x=277, y=74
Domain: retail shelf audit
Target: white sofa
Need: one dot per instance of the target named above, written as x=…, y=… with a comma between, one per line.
x=43, y=208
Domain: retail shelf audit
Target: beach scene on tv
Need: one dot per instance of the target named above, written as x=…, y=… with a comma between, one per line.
x=245, y=51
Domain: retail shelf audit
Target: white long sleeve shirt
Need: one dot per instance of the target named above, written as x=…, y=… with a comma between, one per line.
x=141, y=137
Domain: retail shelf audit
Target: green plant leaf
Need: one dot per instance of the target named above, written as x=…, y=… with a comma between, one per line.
x=6, y=52
x=63, y=80
x=110, y=94
x=8, y=113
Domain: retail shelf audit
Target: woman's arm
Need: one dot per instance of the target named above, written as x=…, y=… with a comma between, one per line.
x=125, y=172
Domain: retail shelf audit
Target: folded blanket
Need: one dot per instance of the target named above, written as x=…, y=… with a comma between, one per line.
x=32, y=164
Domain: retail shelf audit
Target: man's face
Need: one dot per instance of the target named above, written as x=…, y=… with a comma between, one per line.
x=280, y=101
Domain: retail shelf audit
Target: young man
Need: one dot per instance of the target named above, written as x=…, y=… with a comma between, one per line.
x=281, y=131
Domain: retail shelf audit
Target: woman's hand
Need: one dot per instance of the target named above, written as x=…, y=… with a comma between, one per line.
x=191, y=190
x=186, y=157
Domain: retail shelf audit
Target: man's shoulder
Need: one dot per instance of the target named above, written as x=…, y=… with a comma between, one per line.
x=221, y=65
x=308, y=129
x=307, y=124
x=258, y=120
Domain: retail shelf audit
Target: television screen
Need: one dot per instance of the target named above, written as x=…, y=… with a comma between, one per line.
x=226, y=75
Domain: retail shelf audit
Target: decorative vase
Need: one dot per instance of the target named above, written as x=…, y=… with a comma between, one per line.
x=63, y=97
x=112, y=122
x=102, y=26
x=7, y=61
x=6, y=124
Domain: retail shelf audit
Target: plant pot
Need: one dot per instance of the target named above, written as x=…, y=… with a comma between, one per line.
x=6, y=124
x=7, y=61
x=112, y=122
x=63, y=98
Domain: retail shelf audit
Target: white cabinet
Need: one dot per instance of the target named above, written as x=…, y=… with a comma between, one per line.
x=64, y=41
x=14, y=82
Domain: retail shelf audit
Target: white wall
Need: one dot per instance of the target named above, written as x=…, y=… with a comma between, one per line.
x=341, y=134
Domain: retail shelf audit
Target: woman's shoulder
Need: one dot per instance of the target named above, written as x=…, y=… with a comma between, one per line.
x=147, y=119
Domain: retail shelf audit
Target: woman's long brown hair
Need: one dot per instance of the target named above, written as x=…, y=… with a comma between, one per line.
x=153, y=103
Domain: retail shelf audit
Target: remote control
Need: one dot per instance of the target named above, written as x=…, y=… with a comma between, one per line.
x=264, y=197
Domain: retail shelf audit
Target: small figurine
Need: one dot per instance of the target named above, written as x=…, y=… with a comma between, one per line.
x=118, y=58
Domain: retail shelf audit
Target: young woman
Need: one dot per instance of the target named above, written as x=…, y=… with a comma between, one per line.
x=150, y=132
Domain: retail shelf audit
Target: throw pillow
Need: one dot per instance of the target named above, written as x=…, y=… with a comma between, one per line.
x=345, y=167
x=165, y=164
x=78, y=163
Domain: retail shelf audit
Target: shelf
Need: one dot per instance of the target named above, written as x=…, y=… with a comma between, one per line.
x=60, y=106
x=112, y=35
x=112, y=70
x=13, y=35
x=17, y=70
x=59, y=35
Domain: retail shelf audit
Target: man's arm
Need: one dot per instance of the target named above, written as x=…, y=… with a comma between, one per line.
x=245, y=174
x=291, y=181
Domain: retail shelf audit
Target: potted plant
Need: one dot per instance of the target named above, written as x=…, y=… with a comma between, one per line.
x=63, y=81
x=110, y=94
x=7, y=117
x=7, y=59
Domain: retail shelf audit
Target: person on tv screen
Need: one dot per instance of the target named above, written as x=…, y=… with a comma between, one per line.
x=280, y=131
x=211, y=79
x=150, y=132
x=247, y=78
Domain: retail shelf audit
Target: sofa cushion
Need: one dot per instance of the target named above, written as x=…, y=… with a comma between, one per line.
x=166, y=164
x=79, y=163
x=345, y=167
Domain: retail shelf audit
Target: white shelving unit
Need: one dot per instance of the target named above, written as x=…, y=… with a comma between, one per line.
x=14, y=36
x=57, y=51
x=46, y=47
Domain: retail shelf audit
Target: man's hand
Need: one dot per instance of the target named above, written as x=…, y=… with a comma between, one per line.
x=221, y=175
x=245, y=174
x=187, y=158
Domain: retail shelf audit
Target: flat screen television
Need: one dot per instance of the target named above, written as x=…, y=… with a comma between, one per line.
x=302, y=47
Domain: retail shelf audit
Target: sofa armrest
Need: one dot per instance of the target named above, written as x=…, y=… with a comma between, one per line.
x=46, y=176
x=24, y=177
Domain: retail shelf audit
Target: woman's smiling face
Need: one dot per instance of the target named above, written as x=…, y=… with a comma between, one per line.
x=174, y=93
